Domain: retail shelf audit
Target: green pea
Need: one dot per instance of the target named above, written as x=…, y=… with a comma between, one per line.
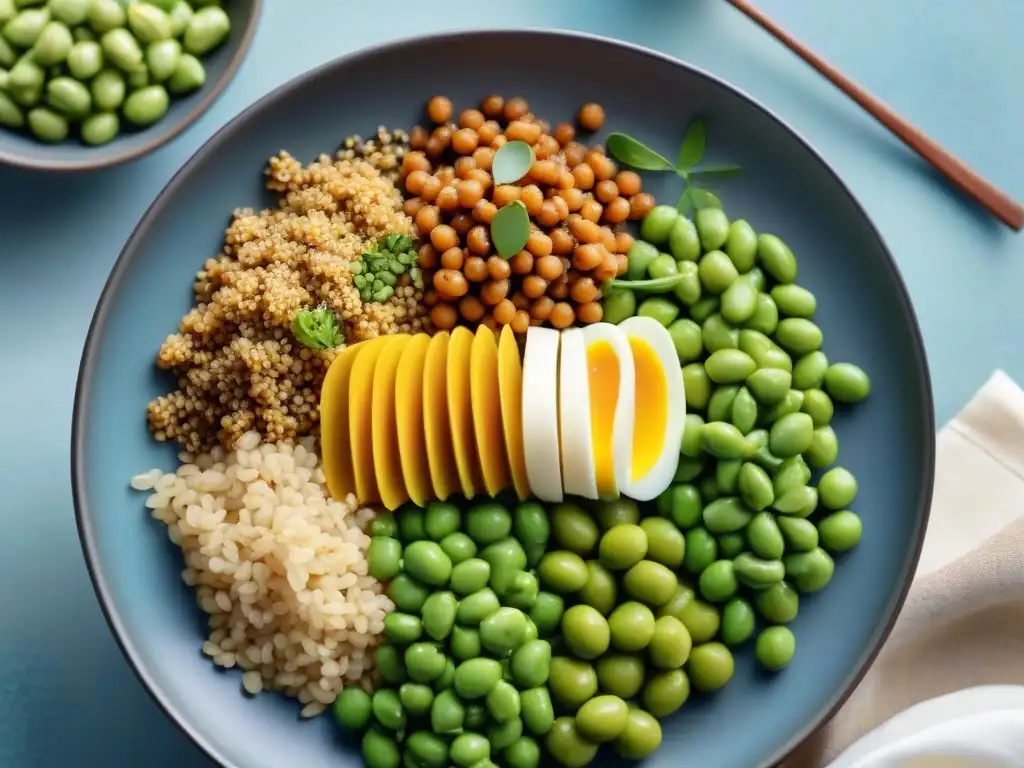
x=180, y=14
x=476, y=607
x=690, y=446
x=352, y=708
x=729, y=366
x=564, y=742
x=525, y=753
x=546, y=613
x=621, y=674
x=794, y=300
x=146, y=105
x=706, y=306
x=507, y=560
x=602, y=718
x=571, y=681
x=85, y=60
x=775, y=647
x=632, y=626
x=47, y=125
x=207, y=29
x=138, y=78
x=726, y=515
x=108, y=90
x=686, y=337
x=502, y=702
x=387, y=660
x=573, y=528
x=840, y=531
x=765, y=538
x=619, y=304
x=537, y=711
x=688, y=290
x=415, y=697
x=385, y=557
x=837, y=488
x=737, y=621
x=459, y=547
x=779, y=603
x=709, y=490
x=757, y=279
x=650, y=582
x=809, y=371
x=640, y=255
x=810, y=571
x=663, y=265
x=701, y=620
x=665, y=542
x=701, y=550
x=465, y=643
x=563, y=572
x=402, y=628
x=585, y=631
x=488, y=523
x=755, y=487
x=666, y=692
x=617, y=512
x=25, y=28
x=424, y=662
x=431, y=751
x=380, y=750
x=681, y=503
x=730, y=545
x=474, y=678
x=25, y=82
x=121, y=49
x=741, y=245
x=53, y=44
x=669, y=647
x=425, y=561
x=818, y=406
x=776, y=258
x=723, y=440
x=727, y=475
x=600, y=590
x=7, y=54
x=10, y=113
x=530, y=523
x=70, y=12
x=765, y=317
x=149, y=23
x=717, y=272
x=388, y=710
x=105, y=15
x=439, y=612
x=622, y=547
x=756, y=572
x=846, y=383
x=800, y=501
x=718, y=581
x=642, y=734
x=769, y=385
x=446, y=680
x=712, y=228
x=717, y=334
x=683, y=241
x=688, y=469
x=470, y=576
x=468, y=749
x=659, y=309
x=739, y=302
x=824, y=448
x=799, y=534
x=798, y=335
x=8, y=10
x=711, y=666
x=189, y=76
x=791, y=435
x=658, y=223
x=530, y=663
x=448, y=713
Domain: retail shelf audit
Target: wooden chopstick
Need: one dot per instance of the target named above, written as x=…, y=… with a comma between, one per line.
x=998, y=203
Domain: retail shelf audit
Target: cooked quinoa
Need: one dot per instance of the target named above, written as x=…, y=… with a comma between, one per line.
x=237, y=363
x=384, y=151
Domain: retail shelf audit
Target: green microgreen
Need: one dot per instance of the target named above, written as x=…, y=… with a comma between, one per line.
x=318, y=328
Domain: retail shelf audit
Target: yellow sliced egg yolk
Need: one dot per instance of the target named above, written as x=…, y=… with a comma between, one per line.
x=335, y=446
x=440, y=451
x=486, y=402
x=412, y=444
x=510, y=385
x=360, y=418
x=603, y=374
x=460, y=412
x=386, y=464
x=651, y=408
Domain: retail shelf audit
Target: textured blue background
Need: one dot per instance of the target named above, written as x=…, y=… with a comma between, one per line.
x=66, y=695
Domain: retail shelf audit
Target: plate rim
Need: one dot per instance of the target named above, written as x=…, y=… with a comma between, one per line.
x=98, y=324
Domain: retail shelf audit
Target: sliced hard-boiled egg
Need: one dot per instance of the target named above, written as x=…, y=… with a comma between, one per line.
x=611, y=378
x=387, y=466
x=579, y=477
x=540, y=413
x=510, y=387
x=460, y=412
x=660, y=410
x=444, y=476
x=335, y=447
x=485, y=397
x=360, y=417
x=412, y=444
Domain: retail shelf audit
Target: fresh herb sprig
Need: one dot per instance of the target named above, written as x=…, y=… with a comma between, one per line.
x=636, y=154
x=318, y=328
x=377, y=271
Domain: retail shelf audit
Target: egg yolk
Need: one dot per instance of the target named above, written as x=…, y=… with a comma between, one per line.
x=603, y=374
x=651, y=408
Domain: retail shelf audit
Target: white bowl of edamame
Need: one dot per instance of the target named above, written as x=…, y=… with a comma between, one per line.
x=87, y=84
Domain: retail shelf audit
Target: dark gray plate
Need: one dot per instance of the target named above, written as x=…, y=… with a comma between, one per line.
x=787, y=189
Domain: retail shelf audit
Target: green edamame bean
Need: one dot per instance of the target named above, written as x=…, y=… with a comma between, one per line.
x=824, y=448
x=775, y=358
x=105, y=15
x=538, y=713
x=25, y=82
x=649, y=582
x=585, y=631
x=600, y=590
x=730, y=545
x=149, y=23
x=617, y=512
x=837, y=488
x=7, y=54
x=621, y=674
x=70, y=12
x=765, y=318
x=207, y=29
x=754, y=343
x=799, y=533
x=138, y=78
x=755, y=487
x=701, y=620
x=530, y=523
x=476, y=607
x=756, y=572
x=704, y=307
x=744, y=410
x=468, y=749
x=794, y=300
x=791, y=435
x=424, y=662
x=711, y=666
x=622, y=547
x=798, y=335
x=723, y=440
x=429, y=750
x=756, y=277
x=24, y=29
x=619, y=305
x=793, y=473
x=530, y=663
x=446, y=680
x=502, y=702
x=666, y=692
x=571, y=681
x=720, y=404
x=47, y=125
x=388, y=710
x=818, y=406
x=681, y=504
x=53, y=44
x=663, y=265
x=709, y=489
x=474, y=678
x=85, y=60
x=659, y=309
x=488, y=523
x=162, y=59
x=737, y=621
x=415, y=697
x=779, y=603
x=632, y=626
x=846, y=383
x=11, y=115
x=840, y=531
x=564, y=742
x=741, y=245
x=465, y=643
x=726, y=515
x=180, y=14
x=718, y=581
x=8, y=10
x=658, y=223
x=717, y=272
x=385, y=558
x=690, y=446
x=352, y=708
x=108, y=90
x=602, y=718
x=447, y=713
x=458, y=546
x=670, y=645
x=686, y=337
x=729, y=366
x=712, y=228
x=525, y=753
x=800, y=501
x=739, y=301
x=574, y=529
x=507, y=559
x=769, y=385
x=146, y=105
x=439, y=614
x=682, y=597
x=810, y=571
x=380, y=750
x=809, y=371
x=776, y=258
x=765, y=538
x=425, y=561
x=688, y=290
x=716, y=334
x=121, y=49
x=641, y=736
x=563, y=572
x=189, y=76
x=640, y=255
x=701, y=550
x=688, y=469
x=683, y=241
x=775, y=647
x=546, y=613
x=387, y=660
x=665, y=542
x=470, y=576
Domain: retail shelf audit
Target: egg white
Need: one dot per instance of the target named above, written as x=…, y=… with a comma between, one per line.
x=540, y=414
x=578, y=474
x=659, y=477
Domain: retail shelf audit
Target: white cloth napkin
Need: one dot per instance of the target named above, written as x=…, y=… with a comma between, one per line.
x=947, y=690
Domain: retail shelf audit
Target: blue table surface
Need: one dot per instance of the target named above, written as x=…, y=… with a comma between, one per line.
x=67, y=698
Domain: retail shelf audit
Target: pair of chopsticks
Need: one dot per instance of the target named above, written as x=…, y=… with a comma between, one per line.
x=996, y=202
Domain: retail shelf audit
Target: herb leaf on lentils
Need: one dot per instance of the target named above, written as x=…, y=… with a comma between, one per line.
x=510, y=229
x=692, y=149
x=720, y=170
x=511, y=162
x=632, y=152
x=318, y=328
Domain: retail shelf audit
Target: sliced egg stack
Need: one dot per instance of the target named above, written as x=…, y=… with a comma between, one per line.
x=592, y=412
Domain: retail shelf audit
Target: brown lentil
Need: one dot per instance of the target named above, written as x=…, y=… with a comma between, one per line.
x=591, y=117
x=439, y=109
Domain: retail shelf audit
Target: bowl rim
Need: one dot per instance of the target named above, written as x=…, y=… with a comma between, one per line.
x=83, y=395
x=160, y=138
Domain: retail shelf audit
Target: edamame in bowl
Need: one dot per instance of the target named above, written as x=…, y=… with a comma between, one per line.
x=86, y=84
x=523, y=417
